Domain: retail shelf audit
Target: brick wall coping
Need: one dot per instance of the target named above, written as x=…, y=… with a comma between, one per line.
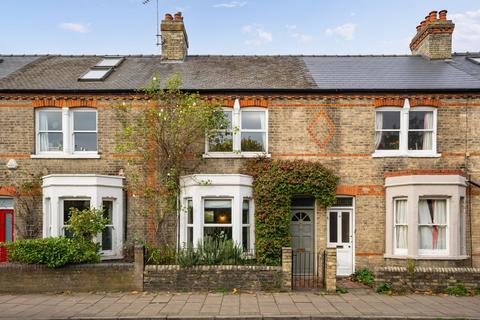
x=212, y=267
x=428, y=269
x=33, y=267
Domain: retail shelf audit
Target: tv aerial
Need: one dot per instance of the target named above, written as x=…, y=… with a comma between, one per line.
x=158, y=35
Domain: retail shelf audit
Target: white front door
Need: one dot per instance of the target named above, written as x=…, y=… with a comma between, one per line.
x=340, y=236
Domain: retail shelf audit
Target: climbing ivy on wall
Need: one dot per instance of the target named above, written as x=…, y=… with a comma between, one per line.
x=275, y=183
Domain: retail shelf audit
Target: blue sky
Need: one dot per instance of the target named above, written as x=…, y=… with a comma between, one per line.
x=229, y=27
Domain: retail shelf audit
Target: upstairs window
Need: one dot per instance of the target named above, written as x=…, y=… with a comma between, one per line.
x=405, y=131
x=66, y=132
x=246, y=133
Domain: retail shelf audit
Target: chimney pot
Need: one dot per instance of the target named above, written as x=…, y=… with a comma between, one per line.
x=434, y=37
x=443, y=15
x=174, y=38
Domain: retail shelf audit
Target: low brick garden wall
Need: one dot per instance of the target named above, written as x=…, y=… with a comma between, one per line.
x=208, y=278
x=24, y=278
x=426, y=279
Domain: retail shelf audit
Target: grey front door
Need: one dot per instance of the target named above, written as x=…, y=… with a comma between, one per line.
x=301, y=231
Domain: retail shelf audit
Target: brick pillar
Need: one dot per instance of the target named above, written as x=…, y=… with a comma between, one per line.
x=287, y=268
x=139, y=266
x=330, y=272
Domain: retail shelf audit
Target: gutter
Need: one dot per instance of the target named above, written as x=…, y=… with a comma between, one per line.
x=246, y=91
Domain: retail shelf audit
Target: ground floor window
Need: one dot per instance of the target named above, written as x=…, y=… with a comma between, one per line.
x=425, y=216
x=221, y=209
x=61, y=193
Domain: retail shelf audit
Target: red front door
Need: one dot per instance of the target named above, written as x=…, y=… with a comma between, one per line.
x=6, y=231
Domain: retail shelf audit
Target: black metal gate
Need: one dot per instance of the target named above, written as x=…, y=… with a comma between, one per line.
x=305, y=270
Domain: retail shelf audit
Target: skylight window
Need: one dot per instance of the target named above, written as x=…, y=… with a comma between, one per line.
x=474, y=59
x=102, y=70
x=96, y=74
x=109, y=62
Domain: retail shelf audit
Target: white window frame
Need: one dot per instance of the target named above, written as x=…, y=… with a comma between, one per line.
x=249, y=224
x=237, y=135
x=112, y=225
x=436, y=252
x=403, y=150
x=188, y=202
x=201, y=187
x=232, y=130
x=73, y=131
x=62, y=208
x=68, y=135
x=215, y=225
x=399, y=251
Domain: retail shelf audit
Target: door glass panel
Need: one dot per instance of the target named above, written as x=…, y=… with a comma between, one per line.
x=346, y=227
x=8, y=227
x=333, y=225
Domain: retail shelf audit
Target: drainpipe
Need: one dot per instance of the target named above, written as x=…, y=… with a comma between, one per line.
x=470, y=181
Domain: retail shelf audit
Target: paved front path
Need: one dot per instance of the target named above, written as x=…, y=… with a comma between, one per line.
x=250, y=306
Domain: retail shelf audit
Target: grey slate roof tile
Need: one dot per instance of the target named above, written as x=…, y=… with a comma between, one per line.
x=53, y=72
x=10, y=64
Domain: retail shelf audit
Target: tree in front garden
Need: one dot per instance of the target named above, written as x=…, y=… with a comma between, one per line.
x=165, y=136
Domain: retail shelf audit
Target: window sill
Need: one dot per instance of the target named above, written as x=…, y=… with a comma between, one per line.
x=430, y=257
x=66, y=156
x=232, y=155
x=393, y=154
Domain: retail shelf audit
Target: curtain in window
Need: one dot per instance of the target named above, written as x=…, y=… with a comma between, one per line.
x=427, y=136
x=400, y=224
x=432, y=219
x=43, y=138
x=378, y=126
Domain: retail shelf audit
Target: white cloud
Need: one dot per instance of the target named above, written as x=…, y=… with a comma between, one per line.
x=258, y=34
x=345, y=31
x=302, y=38
x=232, y=4
x=76, y=27
x=466, y=36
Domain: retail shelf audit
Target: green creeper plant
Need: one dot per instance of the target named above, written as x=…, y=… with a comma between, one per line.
x=275, y=183
x=166, y=132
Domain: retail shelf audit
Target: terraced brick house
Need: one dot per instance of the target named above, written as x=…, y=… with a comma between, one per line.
x=400, y=131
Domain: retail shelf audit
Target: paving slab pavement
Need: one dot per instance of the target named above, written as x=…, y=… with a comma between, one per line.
x=295, y=305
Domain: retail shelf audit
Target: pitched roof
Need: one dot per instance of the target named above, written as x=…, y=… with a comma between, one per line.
x=10, y=64
x=247, y=73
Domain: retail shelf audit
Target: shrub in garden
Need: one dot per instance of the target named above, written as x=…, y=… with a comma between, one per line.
x=459, y=290
x=159, y=255
x=52, y=252
x=384, y=287
x=57, y=252
x=211, y=252
x=364, y=276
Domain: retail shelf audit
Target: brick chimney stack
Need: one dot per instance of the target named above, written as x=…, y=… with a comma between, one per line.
x=174, y=38
x=434, y=37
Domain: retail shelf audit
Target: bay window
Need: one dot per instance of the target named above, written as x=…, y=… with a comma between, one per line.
x=66, y=132
x=405, y=131
x=216, y=206
x=89, y=191
x=244, y=135
x=425, y=217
